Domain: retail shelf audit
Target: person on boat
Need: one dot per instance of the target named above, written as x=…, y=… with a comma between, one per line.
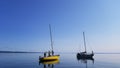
x=49, y=53
x=92, y=53
x=44, y=54
x=52, y=52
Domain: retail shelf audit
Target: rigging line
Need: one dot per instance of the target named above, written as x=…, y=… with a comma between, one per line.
x=90, y=47
x=79, y=48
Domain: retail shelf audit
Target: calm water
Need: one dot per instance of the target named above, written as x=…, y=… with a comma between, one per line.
x=30, y=60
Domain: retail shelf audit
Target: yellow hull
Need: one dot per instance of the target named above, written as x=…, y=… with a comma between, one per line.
x=50, y=58
x=50, y=62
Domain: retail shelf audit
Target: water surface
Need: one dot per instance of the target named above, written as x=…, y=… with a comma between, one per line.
x=67, y=60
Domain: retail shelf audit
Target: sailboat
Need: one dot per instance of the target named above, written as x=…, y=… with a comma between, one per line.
x=51, y=56
x=85, y=55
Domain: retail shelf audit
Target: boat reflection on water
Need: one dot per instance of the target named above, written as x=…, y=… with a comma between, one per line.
x=85, y=61
x=48, y=64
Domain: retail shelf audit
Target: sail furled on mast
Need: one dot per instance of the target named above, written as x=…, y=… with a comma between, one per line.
x=51, y=37
x=84, y=41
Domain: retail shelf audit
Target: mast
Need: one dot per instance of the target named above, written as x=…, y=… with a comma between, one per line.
x=84, y=41
x=51, y=37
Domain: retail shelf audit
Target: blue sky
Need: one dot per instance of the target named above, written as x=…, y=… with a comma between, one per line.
x=24, y=25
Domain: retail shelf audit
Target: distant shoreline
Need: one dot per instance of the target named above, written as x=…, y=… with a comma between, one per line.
x=107, y=53
x=17, y=52
x=57, y=52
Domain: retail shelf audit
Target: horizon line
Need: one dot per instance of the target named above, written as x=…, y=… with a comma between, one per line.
x=56, y=52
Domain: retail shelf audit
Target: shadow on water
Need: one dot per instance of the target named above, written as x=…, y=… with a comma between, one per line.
x=85, y=60
x=49, y=64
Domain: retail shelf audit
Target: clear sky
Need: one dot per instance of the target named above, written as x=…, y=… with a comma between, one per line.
x=24, y=25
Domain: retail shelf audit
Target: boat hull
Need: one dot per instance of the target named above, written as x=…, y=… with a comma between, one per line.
x=49, y=58
x=84, y=56
x=50, y=62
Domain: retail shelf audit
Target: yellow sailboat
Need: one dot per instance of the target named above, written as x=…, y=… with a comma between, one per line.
x=50, y=62
x=49, y=57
